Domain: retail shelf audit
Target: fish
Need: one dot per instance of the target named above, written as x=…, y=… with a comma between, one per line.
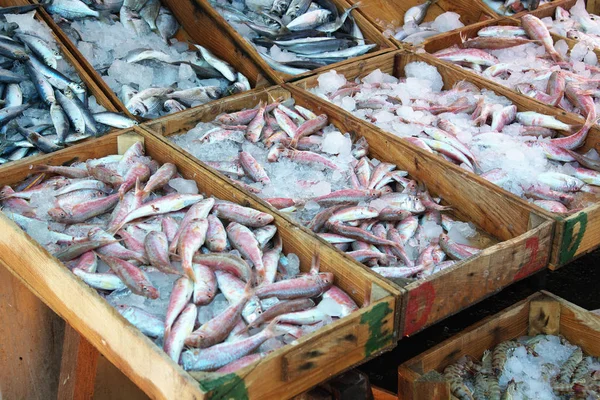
x=416, y=14
x=140, y=262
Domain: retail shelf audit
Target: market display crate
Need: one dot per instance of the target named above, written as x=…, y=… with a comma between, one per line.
x=386, y=15
x=93, y=88
x=233, y=39
x=283, y=373
x=541, y=313
x=195, y=27
x=575, y=234
x=550, y=5
x=550, y=10
x=525, y=240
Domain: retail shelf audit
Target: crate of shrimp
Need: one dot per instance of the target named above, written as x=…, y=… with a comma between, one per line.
x=49, y=102
x=184, y=283
x=363, y=194
x=293, y=39
x=540, y=348
x=508, y=142
x=413, y=22
x=152, y=58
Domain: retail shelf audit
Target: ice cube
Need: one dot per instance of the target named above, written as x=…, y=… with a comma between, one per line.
x=293, y=267
x=184, y=186
x=447, y=21
x=431, y=229
x=426, y=73
x=330, y=307
x=331, y=81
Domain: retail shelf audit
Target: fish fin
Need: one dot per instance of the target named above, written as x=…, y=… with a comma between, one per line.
x=463, y=38
x=315, y=264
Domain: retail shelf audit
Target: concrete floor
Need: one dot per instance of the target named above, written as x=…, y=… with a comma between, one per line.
x=577, y=282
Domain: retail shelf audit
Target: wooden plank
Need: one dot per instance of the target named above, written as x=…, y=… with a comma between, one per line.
x=544, y=317
x=78, y=367
x=126, y=140
x=406, y=383
x=382, y=394
x=139, y=358
x=31, y=342
x=432, y=385
x=593, y=6
x=112, y=384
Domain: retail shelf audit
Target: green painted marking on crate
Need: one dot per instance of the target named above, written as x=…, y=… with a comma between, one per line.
x=570, y=244
x=378, y=338
x=228, y=386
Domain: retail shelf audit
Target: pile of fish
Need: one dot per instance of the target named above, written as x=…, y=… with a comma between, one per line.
x=184, y=269
x=526, y=59
x=576, y=23
x=296, y=36
x=45, y=105
x=415, y=31
x=301, y=165
x=531, y=367
x=131, y=44
x=505, y=7
x=480, y=131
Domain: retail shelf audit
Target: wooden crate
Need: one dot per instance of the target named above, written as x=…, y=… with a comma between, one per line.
x=195, y=27
x=233, y=39
x=525, y=242
x=283, y=373
x=576, y=234
x=93, y=88
x=390, y=14
x=542, y=313
x=566, y=4
x=541, y=9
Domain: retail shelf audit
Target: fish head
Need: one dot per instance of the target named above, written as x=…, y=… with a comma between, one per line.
x=58, y=214
x=150, y=292
x=214, y=92
x=77, y=87
x=138, y=109
x=326, y=277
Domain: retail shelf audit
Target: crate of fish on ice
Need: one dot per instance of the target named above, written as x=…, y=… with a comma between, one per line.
x=543, y=347
x=571, y=20
x=518, y=8
x=152, y=58
x=507, y=142
x=365, y=195
x=525, y=57
x=49, y=102
x=412, y=22
x=163, y=253
x=293, y=39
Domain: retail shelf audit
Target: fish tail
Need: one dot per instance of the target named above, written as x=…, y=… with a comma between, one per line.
x=315, y=264
x=270, y=329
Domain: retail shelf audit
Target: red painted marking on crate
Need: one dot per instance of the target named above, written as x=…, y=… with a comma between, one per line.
x=420, y=303
x=534, y=263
